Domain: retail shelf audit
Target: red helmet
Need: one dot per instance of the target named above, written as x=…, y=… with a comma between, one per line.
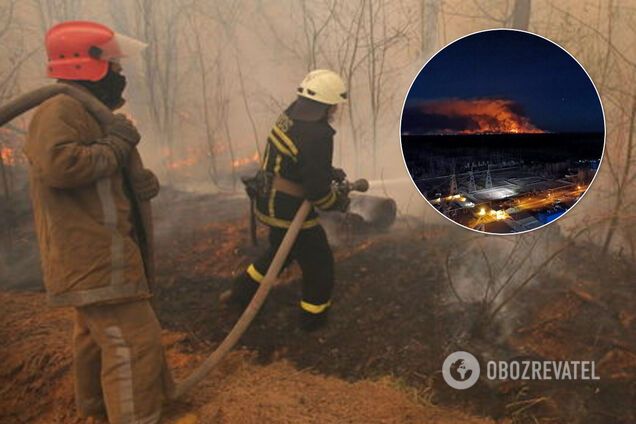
x=81, y=50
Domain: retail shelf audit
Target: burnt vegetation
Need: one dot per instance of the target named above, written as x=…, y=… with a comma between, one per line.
x=405, y=296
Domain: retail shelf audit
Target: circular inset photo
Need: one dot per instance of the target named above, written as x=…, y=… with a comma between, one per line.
x=502, y=131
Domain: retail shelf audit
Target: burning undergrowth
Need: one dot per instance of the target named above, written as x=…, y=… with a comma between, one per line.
x=396, y=281
x=395, y=312
x=11, y=147
x=468, y=116
x=8, y=156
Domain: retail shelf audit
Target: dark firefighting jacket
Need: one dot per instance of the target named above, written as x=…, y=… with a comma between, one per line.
x=301, y=152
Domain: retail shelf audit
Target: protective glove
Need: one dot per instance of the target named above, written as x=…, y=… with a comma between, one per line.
x=123, y=128
x=122, y=137
x=145, y=185
x=338, y=175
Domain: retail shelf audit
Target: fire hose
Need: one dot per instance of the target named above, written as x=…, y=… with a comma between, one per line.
x=259, y=297
x=104, y=116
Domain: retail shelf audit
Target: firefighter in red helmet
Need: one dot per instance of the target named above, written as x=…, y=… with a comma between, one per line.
x=90, y=254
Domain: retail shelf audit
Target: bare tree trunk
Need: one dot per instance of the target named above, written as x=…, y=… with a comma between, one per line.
x=608, y=51
x=379, y=43
x=373, y=88
x=55, y=11
x=223, y=109
x=5, y=182
x=624, y=181
x=353, y=43
x=248, y=111
x=429, y=16
x=158, y=23
x=230, y=144
x=209, y=131
x=8, y=218
x=521, y=15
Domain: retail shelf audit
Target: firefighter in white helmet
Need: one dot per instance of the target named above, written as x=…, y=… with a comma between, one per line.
x=297, y=166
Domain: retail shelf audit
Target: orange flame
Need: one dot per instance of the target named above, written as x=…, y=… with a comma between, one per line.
x=191, y=157
x=182, y=163
x=482, y=116
x=7, y=155
x=194, y=156
x=245, y=161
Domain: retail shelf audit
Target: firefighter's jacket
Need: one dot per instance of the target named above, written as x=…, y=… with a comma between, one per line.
x=299, y=151
x=82, y=212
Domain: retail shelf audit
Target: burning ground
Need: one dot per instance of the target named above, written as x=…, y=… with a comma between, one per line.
x=395, y=319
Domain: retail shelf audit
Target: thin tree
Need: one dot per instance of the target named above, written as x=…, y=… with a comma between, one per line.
x=429, y=19
x=204, y=72
x=51, y=12
x=160, y=24
x=520, y=17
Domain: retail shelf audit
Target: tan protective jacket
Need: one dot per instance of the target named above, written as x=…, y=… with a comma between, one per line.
x=83, y=216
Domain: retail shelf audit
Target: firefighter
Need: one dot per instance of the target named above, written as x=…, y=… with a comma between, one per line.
x=89, y=250
x=297, y=166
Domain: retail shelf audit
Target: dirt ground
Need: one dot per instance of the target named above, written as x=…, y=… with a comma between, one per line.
x=392, y=324
x=36, y=383
x=392, y=316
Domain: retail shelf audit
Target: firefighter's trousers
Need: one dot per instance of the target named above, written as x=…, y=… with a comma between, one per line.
x=119, y=363
x=312, y=252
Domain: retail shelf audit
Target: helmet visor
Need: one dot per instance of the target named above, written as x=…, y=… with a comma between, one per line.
x=119, y=47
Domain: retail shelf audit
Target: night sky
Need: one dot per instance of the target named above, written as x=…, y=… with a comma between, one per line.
x=539, y=80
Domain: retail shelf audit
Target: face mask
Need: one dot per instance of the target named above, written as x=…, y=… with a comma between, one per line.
x=108, y=90
x=112, y=87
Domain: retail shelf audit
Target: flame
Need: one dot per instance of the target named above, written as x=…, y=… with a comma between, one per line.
x=182, y=163
x=8, y=156
x=255, y=158
x=194, y=156
x=478, y=116
x=190, y=157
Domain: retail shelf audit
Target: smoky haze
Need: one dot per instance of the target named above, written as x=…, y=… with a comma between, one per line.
x=216, y=75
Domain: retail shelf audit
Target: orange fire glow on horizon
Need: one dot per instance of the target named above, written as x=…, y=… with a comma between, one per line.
x=482, y=116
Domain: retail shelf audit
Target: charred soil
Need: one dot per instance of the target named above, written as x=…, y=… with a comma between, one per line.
x=393, y=315
x=393, y=322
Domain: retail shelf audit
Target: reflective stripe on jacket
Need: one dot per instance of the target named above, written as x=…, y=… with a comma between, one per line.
x=82, y=213
x=299, y=151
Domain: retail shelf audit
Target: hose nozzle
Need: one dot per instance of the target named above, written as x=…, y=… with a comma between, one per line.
x=361, y=185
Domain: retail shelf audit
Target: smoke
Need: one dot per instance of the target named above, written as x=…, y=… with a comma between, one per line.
x=489, y=271
x=468, y=116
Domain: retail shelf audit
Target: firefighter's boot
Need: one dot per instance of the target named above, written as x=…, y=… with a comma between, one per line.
x=310, y=322
x=244, y=287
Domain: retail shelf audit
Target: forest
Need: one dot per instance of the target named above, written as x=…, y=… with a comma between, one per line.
x=204, y=95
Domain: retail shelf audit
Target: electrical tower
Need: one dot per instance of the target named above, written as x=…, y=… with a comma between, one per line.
x=471, y=184
x=488, y=178
x=453, y=184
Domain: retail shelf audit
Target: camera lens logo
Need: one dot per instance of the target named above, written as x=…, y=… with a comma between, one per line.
x=460, y=370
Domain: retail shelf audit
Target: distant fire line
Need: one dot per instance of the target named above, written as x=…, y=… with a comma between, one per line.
x=476, y=116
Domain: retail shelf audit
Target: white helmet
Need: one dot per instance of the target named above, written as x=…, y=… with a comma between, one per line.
x=323, y=86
